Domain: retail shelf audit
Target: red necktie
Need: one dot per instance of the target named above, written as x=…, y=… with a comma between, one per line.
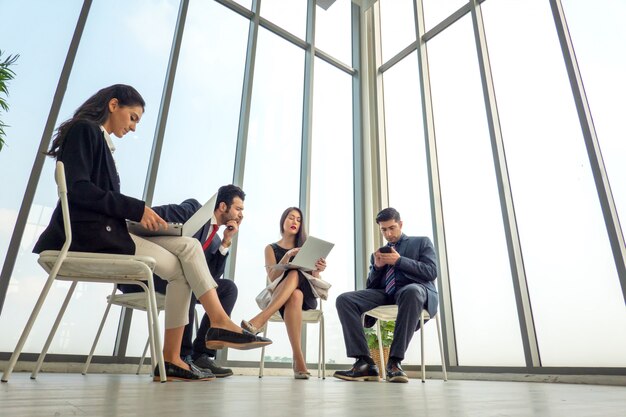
x=210, y=238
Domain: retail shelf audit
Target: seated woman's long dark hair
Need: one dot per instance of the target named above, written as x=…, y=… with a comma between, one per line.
x=301, y=235
x=96, y=109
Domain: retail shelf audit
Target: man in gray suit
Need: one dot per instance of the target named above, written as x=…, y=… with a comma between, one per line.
x=402, y=273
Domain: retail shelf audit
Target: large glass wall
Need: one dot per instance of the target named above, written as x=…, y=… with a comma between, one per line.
x=562, y=230
x=558, y=214
x=565, y=252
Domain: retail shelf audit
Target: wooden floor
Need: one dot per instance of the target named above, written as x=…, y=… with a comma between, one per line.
x=54, y=394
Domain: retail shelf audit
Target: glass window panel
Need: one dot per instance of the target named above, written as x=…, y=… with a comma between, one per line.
x=206, y=100
x=30, y=93
x=471, y=207
x=332, y=147
x=603, y=70
x=407, y=172
x=272, y=174
x=437, y=10
x=562, y=231
x=143, y=37
x=397, y=26
x=333, y=30
x=289, y=15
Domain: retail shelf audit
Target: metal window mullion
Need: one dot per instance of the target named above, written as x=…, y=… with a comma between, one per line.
x=35, y=173
x=605, y=195
x=436, y=202
x=164, y=108
x=359, y=167
x=368, y=180
x=307, y=114
x=242, y=132
x=307, y=127
x=381, y=137
x=518, y=273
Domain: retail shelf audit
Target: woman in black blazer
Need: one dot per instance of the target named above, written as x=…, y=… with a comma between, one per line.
x=98, y=212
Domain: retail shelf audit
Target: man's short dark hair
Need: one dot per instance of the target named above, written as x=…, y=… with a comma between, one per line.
x=227, y=193
x=389, y=213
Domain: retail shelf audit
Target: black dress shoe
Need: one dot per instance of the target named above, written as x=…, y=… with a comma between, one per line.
x=205, y=363
x=395, y=373
x=361, y=371
x=176, y=373
x=221, y=338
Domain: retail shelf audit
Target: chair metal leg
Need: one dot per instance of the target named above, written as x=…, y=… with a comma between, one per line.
x=55, y=326
x=422, y=345
x=443, y=359
x=95, y=341
x=323, y=339
x=143, y=357
x=262, y=361
x=319, y=352
x=151, y=332
x=380, y=349
x=29, y=324
x=156, y=337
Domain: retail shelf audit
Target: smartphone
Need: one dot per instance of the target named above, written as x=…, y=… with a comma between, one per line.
x=385, y=249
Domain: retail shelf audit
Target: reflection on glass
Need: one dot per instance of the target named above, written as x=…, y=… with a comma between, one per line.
x=437, y=10
x=289, y=15
x=397, y=26
x=333, y=33
x=478, y=261
x=102, y=60
x=272, y=174
x=407, y=173
x=332, y=197
x=564, y=241
x=199, y=144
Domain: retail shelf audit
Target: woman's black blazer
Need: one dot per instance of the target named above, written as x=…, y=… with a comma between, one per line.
x=98, y=210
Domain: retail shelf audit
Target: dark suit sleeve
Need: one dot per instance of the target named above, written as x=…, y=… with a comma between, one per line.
x=374, y=275
x=423, y=267
x=178, y=213
x=81, y=149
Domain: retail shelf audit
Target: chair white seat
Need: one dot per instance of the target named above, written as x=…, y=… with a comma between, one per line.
x=390, y=313
x=89, y=267
x=308, y=317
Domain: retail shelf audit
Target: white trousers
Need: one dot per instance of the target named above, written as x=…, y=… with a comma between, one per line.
x=181, y=262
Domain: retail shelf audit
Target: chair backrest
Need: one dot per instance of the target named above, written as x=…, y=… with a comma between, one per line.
x=59, y=177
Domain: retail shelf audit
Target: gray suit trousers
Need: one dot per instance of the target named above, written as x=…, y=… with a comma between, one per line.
x=411, y=299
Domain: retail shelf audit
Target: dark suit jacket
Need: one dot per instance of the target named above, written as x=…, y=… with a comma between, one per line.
x=181, y=213
x=98, y=211
x=417, y=264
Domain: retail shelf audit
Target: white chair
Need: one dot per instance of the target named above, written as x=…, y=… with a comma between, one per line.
x=89, y=267
x=136, y=301
x=308, y=316
x=389, y=313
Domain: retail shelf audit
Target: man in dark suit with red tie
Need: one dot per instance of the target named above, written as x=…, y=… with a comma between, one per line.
x=402, y=273
x=228, y=212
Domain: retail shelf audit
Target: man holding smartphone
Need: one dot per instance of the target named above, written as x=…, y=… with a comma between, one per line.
x=402, y=273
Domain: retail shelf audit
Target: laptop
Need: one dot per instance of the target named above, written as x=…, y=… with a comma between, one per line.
x=312, y=249
x=189, y=228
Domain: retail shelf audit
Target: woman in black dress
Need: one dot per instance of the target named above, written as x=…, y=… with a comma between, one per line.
x=293, y=292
